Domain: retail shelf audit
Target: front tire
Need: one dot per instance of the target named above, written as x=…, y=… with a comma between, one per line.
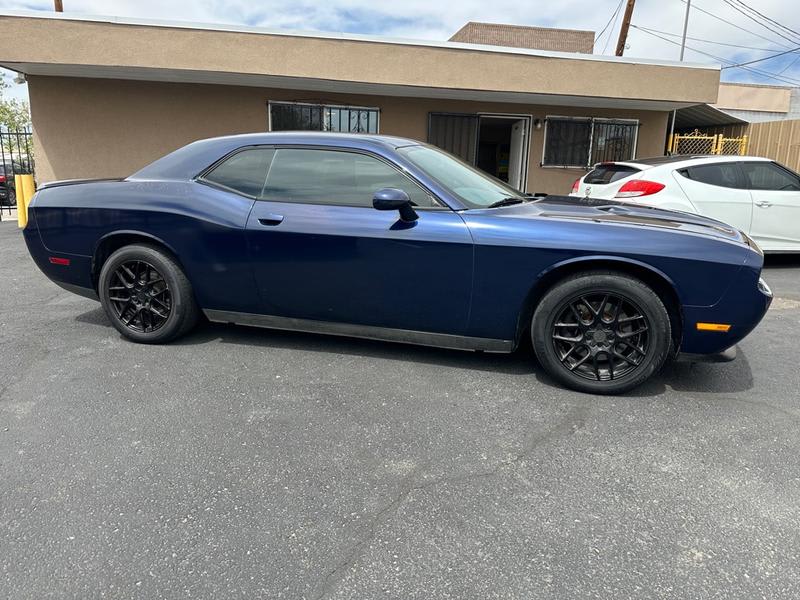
x=146, y=295
x=601, y=332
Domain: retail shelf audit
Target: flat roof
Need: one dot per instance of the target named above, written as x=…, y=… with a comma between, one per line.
x=84, y=46
x=349, y=36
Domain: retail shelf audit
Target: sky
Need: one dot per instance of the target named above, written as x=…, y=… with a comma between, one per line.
x=717, y=33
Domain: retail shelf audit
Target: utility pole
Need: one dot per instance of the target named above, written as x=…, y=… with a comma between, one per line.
x=58, y=6
x=623, y=30
x=685, y=27
x=683, y=48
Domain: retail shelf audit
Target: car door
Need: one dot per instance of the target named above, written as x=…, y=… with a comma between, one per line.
x=776, y=205
x=320, y=251
x=718, y=190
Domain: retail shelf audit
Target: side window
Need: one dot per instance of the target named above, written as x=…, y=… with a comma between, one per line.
x=334, y=177
x=719, y=174
x=769, y=176
x=244, y=172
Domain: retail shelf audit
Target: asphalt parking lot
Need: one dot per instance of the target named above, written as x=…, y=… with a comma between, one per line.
x=247, y=463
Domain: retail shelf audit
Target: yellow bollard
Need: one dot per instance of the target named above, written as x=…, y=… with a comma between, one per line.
x=25, y=190
x=22, y=209
x=30, y=189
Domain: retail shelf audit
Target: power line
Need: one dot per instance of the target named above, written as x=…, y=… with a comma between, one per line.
x=718, y=18
x=750, y=62
x=613, y=24
x=725, y=60
x=763, y=16
x=793, y=40
x=789, y=66
x=695, y=39
x=613, y=16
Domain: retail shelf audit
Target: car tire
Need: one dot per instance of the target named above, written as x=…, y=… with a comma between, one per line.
x=146, y=295
x=12, y=197
x=601, y=332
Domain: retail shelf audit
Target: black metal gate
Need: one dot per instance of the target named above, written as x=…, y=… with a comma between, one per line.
x=16, y=158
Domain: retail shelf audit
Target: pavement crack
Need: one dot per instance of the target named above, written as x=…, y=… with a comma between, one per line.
x=571, y=423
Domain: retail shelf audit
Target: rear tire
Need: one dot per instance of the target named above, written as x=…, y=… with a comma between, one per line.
x=601, y=332
x=146, y=295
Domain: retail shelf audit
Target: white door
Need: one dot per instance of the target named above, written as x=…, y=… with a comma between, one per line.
x=718, y=190
x=516, y=155
x=776, y=205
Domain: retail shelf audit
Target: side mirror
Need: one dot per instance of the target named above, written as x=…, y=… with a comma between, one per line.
x=394, y=199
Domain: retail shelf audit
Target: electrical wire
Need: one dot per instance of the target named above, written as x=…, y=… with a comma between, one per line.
x=793, y=40
x=750, y=62
x=695, y=39
x=613, y=16
x=763, y=16
x=718, y=18
x=781, y=78
x=789, y=66
x=613, y=25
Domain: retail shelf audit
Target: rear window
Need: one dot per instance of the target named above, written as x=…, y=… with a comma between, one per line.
x=244, y=172
x=604, y=174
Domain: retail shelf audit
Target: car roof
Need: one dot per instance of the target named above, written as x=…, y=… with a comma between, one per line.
x=355, y=140
x=188, y=161
x=684, y=160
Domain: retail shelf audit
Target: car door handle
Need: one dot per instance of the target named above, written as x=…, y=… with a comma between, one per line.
x=763, y=204
x=270, y=220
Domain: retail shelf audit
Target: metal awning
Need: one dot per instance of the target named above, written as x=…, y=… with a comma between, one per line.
x=703, y=115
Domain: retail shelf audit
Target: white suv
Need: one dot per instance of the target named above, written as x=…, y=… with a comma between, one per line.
x=755, y=195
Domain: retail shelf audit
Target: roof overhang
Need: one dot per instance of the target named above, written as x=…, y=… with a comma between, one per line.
x=334, y=86
x=103, y=47
x=704, y=115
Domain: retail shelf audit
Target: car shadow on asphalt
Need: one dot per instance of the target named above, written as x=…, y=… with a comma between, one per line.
x=701, y=377
x=687, y=377
x=517, y=363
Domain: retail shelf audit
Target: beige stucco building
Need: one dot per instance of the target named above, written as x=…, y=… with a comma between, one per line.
x=110, y=95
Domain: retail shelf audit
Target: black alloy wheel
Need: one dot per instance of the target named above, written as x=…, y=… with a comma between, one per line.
x=602, y=332
x=601, y=336
x=146, y=294
x=140, y=296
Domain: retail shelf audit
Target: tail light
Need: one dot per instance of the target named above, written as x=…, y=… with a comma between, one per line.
x=639, y=187
x=576, y=185
x=2, y=178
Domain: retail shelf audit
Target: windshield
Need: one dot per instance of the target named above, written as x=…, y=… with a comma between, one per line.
x=474, y=188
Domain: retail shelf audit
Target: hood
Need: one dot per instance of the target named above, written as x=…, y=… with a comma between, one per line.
x=599, y=210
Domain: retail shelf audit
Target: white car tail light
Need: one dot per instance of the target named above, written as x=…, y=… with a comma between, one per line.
x=639, y=187
x=576, y=185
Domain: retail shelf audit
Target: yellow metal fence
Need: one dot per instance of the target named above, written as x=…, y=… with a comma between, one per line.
x=700, y=143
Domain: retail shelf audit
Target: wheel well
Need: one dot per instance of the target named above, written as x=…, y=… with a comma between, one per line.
x=114, y=242
x=659, y=284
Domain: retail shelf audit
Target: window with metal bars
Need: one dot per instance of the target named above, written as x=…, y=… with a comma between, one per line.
x=299, y=116
x=582, y=141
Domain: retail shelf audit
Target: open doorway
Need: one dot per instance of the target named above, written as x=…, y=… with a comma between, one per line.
x=495, y=143
x=503, y=148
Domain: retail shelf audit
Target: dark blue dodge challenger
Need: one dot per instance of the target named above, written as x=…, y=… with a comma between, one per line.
x=387, y=238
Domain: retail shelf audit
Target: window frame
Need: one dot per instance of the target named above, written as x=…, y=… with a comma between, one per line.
x=592, y=120
x=403, y=172
x=323, y=105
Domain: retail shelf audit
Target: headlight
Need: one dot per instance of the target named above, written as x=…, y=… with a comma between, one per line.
x=763, y=287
